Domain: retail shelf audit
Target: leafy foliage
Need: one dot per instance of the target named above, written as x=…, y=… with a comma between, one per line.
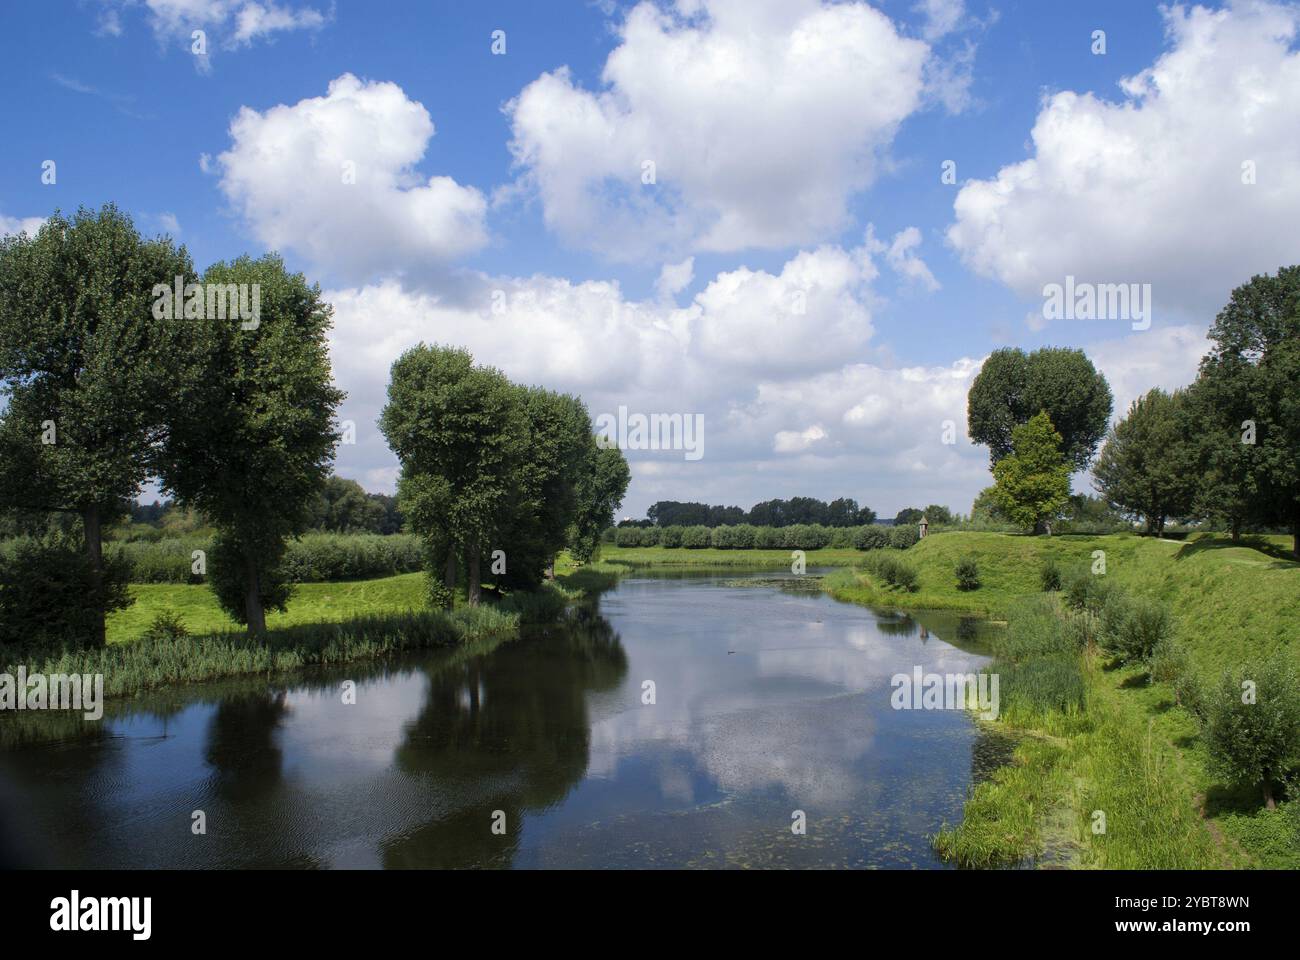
x=1013, y=387
x=1033, y=482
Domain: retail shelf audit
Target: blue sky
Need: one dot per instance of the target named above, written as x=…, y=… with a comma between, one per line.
x=1129, y=185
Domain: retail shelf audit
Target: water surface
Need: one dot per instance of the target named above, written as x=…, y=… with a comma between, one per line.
x=766, y=701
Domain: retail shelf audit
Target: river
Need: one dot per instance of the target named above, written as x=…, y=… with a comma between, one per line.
x=681, y=721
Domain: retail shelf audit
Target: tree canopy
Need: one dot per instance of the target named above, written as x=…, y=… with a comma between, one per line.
x=1013, y=387
x=1032, y=483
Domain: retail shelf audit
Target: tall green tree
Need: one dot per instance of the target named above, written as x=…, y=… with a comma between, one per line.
x=1032, y=483
x=549, y=469
x=1147, y=466
x=459, y=432
x=252, y=431
x=1249, y=420
x=84, y=367
x=601, y=489
x=1013, y=386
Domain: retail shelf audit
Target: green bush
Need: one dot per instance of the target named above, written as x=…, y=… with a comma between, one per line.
x=743, y=536
x=1255, y=743
x=723, y=538
x=167, y=625
x=1085, y=590
x=697, y=537
x=871, y=537
x=1132, y=627
x=901, y=538
x=670, y=537
x=1168, y=661
x=893, y=571
x=1049, y=575
x=968, y=574
x=313, y=558
x=47, y=597
x=628, y=537
x=650, y=536
x=768, y=538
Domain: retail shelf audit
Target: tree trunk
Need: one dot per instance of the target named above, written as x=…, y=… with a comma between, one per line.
x=1295, y=535
x=449, y=578
x=253, y=611
x=1236, y=529
x=95, y=554
x=550, y=569
x=1268, y=794
x=475, y=587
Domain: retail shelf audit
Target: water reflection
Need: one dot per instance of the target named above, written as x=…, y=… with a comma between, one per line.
x=766, y=700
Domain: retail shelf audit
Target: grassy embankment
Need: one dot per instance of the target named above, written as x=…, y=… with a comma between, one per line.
x=325, y=623
x=1131, y=753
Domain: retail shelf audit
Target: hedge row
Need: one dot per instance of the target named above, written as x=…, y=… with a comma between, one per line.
x=315, y=558
x=745, y=537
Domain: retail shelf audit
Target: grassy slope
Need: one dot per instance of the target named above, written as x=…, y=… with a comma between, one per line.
x=1138, y=756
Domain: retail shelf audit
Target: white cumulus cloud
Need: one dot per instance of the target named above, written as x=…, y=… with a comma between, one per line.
x=334, y=178
x=761, y=119
x=1149, y=188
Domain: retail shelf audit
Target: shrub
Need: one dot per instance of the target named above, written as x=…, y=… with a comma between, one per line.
x=670, y=537
x=767, y=538
x=313, y=558
x=1049, y=575
x=1085, y=590
x=968, y=574
x=1255, y=743
x=1132, y=627
x=166, y=625
x=871, y=537
x=696, y=538
x=650, y=536
x=1168, y=661
x=893, y=571
x=47, y=597
x=628, y=537
x=743, y=535
x=901, y=538
x=723, y=538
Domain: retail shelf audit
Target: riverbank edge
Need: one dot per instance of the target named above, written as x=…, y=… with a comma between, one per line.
x=1041, y=809
x=152, y=662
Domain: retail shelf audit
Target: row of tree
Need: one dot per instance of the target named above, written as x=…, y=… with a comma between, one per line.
x=494, y=471
x=341, y=506
x=843, y=512
x=1224, y=450
x=234, y=417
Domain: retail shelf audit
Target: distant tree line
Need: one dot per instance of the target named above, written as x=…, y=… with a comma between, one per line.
x=341, y=506
x=843, y=512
